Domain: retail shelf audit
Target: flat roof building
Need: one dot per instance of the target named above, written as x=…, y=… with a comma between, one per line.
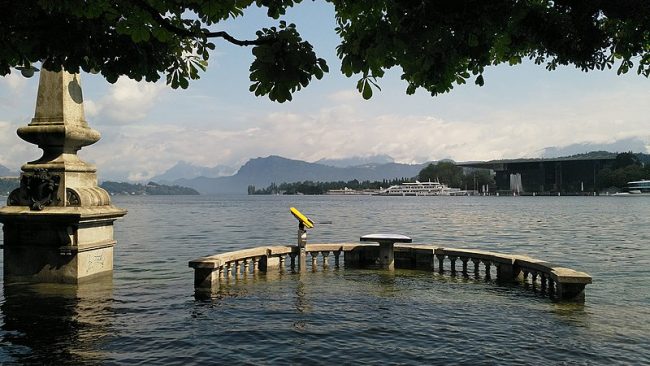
x=577, y=175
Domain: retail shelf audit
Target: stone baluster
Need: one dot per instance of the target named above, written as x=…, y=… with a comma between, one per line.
x=441, y=259
x=526, y=272
x=293, y=261
x=220, y=271
x=246, y=266
x=337, y=255
x=452, y=259
x=488, y=265
x=228, y=269
x=314, y=258
x=551, y=288
x=325, y=259
x=282, y=261
x=543, y=279
x=236, y=268
x=525, y=275
x=256, y=264
x=464, y=260
x=533, y=279
x=476, y=262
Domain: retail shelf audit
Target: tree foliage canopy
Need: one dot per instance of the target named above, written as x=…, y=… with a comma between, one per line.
x=626, y=168
x=437, y=44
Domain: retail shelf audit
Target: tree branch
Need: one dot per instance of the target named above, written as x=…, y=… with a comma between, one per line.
x=183, y=32
x=235, y=41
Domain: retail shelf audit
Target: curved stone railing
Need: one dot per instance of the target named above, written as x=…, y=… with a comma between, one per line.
x=552, y=280
x=210, y=270
x=556, y=281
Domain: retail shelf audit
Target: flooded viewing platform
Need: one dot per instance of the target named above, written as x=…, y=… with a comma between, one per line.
x=554, y=281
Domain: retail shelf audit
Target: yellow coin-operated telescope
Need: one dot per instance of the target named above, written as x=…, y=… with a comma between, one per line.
x=303, y=223
x=302, y=219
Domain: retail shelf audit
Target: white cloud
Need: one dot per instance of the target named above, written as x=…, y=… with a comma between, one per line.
x=150, y=133
x=345, y=96
x=15, y=151
x=343, y=131
x=91, y=109
x=126, y=101
x=14, y=81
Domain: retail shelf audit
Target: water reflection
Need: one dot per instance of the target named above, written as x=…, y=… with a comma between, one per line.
x=153, y=319
x=303, y=307
x=57, y=324
x=571, y=314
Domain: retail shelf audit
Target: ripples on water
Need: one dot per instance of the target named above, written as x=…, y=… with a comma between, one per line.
x=146, y=313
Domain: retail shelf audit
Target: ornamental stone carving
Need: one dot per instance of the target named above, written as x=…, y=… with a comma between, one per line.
x=36, y=190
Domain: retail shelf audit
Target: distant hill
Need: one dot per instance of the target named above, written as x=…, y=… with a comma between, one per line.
x=187, y=170
x=151, y=188
x=6, y=172
x=356, y=161
x=7, y=185
x=261, y=172
x=644, y=158
x=624, y=145
x=592, y=155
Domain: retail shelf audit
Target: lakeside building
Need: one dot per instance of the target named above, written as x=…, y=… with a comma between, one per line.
x=347, y=191
x=577, y=175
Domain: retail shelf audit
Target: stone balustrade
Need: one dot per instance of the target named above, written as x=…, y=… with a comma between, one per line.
x=549, y=279
x=211, y=270
x=556, y=281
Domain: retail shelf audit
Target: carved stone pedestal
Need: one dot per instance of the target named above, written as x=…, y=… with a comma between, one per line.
x=58, y=226
x=57, y=245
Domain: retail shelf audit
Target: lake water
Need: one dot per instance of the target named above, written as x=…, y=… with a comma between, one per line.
x=147, y=314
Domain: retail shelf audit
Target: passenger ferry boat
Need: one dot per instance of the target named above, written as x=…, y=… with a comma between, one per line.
x=637, y=188
x=421, y=189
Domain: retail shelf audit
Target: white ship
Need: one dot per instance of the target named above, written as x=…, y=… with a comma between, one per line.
x=421, y=189
x=637, y=188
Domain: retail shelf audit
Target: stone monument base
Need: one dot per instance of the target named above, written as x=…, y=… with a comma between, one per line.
x=58, y=244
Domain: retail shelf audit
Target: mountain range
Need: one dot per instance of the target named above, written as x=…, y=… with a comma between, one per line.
x=356, y=161
x=6, y=172
x=186, y=170
x=623, y=145
x=261, y=172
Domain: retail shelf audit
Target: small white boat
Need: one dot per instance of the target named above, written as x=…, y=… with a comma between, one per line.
x=636, y=188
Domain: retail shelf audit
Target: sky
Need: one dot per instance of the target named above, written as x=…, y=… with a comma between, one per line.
x=522, y=110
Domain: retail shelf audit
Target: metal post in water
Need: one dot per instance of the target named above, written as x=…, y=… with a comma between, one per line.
x=302, y=242
x=304, y=223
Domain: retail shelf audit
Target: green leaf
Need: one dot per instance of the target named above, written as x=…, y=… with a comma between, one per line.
x=182, y=81
x=367, y=91
x=479, y=80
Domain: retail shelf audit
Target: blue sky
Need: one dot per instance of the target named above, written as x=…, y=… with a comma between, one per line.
x=147, y=128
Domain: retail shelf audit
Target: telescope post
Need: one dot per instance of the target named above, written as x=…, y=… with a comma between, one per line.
x=302, y=242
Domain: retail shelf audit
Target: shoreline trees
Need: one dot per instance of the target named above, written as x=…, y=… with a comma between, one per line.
x=626, y=168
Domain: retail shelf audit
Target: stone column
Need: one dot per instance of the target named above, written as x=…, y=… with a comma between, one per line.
x=58, y=226
x=386, y=255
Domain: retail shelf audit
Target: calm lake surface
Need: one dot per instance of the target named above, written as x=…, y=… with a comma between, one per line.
x=147, y=313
